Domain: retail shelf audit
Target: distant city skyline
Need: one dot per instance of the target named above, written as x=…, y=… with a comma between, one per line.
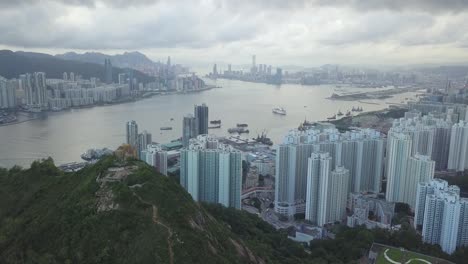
x=279, y=33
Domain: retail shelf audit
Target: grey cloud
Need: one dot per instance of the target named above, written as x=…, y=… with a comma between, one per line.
x=431, y=6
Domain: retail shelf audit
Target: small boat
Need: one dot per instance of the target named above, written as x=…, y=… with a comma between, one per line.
x=359, y=109
x=215, y=122
x=214, y=127
x=165, y=128
x=339, y=113
x=242, y=125
x=333, y=117
x=354, y=109
x=239, y=130
x=172, y=119
x=279, y=111
x=348, y=113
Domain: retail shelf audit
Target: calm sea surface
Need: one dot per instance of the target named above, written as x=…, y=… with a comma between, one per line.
x=65, y=135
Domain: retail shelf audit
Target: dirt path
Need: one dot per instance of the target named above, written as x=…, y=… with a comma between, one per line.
x=170, y=243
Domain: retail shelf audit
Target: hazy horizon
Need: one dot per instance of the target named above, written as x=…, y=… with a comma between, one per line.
x=195, y=33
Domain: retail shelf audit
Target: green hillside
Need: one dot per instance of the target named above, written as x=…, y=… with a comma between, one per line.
x=124, y=212
x=107, y=213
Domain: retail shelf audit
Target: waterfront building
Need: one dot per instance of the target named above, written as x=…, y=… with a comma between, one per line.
x=211, y=171
x=201, y=115
x=132, y=134
x=458, y=156
x=7, y=94
x=144, y=139
x=442, y=214
x=35, y=89
x=189, y=129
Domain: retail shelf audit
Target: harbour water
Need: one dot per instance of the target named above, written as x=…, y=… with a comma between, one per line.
x=65, y=135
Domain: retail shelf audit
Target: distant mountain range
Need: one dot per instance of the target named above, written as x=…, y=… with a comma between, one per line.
x=12, y=64
x=134, y=60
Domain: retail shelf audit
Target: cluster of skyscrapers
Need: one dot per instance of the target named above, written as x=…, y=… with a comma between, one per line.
x=416, y=147
x=196, y=124
x=319, y=159
x=145, y=149
x=211, y=171
x=442, y=214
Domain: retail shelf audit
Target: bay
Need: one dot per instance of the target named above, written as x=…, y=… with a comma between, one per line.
x=65, y=135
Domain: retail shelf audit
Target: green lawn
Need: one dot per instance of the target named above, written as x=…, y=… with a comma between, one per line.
x=401, y=256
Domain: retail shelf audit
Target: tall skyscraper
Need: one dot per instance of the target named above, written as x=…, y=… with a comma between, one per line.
x=122, y=78
x=65, y=76
x=211, y=171
x=144, y=139
x=398, y=153
x=442, y=214
x=72, y=76
x=215, y=71
x=35, y=89
x=7, y=93
x=337, y=194
x=201, y=114
x=108, y=71
x=189, y=129
x=420, y=169
x=458, y=156
x=132, y=134
x=317, y=188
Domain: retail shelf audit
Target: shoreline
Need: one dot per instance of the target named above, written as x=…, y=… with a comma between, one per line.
x=129, y=100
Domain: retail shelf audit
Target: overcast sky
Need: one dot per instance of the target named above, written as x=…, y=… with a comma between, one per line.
x=279, y=32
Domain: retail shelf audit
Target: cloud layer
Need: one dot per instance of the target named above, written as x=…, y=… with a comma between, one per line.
x=279, y=32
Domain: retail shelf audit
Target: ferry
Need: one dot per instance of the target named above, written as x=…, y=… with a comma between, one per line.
x=279, y=111
x=215, y=122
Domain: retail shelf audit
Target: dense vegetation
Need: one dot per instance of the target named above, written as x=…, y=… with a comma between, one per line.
x=12, y=64
x=48, y=216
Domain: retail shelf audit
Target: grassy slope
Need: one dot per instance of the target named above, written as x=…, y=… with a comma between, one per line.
x=47, y=216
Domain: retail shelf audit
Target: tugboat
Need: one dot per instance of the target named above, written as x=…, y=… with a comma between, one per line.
x=333, y=117
x=279, y=111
